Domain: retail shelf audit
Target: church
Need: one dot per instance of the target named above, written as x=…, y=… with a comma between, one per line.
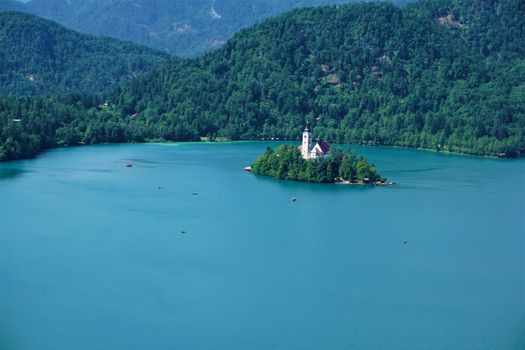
x=321, y=148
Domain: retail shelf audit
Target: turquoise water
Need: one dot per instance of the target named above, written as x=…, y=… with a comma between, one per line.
x=92, y=254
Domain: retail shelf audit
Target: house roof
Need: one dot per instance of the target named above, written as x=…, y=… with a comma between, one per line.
x=323, y=147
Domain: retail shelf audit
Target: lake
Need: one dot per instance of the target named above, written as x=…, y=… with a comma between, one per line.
x=184, y=250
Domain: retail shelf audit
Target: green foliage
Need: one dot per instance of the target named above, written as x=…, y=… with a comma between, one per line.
x=447, y=77
x=41, y=57
x=286, y=163
x=181, y=27
x=30, y=125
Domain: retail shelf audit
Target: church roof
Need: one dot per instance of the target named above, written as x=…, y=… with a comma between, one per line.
x=323, y=146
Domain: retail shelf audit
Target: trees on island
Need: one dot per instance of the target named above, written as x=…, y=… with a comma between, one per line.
x=286, y=163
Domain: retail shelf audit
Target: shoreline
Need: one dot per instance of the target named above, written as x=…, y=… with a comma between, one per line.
x=157, y=142
x=227, y=141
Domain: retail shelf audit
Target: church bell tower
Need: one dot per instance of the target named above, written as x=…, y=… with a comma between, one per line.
x=307, y=141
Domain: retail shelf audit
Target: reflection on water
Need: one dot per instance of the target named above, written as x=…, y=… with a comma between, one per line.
x=421, y=170
x=143, y=161
x=94, y=254
x=10, y=173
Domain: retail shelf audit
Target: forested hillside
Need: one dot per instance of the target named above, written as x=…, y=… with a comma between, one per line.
x=448, y=76
x=180, y=27
x=38, y=56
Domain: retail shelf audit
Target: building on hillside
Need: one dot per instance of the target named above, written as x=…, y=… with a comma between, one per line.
x=320, y=149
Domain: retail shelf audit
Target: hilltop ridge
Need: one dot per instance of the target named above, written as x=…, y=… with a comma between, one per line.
x=39, y=56
x=447, y=76
x=185, y=28
x=366, y=74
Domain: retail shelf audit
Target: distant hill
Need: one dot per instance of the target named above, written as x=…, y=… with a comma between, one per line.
x=38, y=56
x=12, y=5
x=445, y=75
x=181, y=27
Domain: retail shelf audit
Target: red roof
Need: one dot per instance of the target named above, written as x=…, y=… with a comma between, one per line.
x=325, y=148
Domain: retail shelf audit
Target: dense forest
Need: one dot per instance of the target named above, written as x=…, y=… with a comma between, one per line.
x=181, y=27
x=30, y=125
x=446, y=75
x=38, y=56
x=286, y=163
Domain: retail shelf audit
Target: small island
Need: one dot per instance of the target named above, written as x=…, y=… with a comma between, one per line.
x=316, y=163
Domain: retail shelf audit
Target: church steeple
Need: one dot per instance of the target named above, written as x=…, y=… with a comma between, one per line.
x=306, y=147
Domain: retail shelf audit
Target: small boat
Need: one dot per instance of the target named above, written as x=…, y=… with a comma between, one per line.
x=248, y=168
x=294, y=199
x=129, y=165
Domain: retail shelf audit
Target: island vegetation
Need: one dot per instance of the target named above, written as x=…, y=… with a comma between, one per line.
x=286, y=163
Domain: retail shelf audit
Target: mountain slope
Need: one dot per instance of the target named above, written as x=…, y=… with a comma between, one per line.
x=40, y=57
x=448, y=76
x=181, y=27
